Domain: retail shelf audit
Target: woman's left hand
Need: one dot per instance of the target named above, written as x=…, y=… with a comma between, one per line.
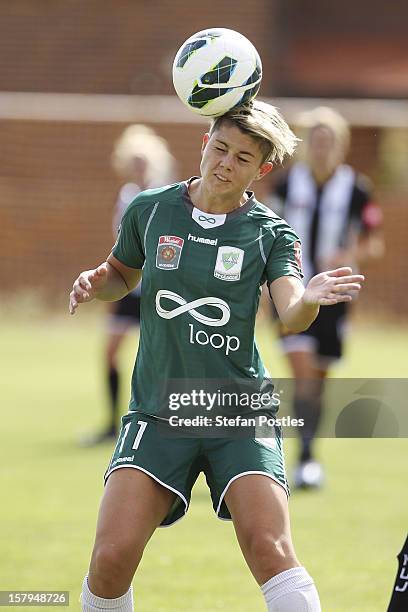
x=332, y=287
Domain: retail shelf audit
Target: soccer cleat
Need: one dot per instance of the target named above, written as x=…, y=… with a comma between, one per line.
x=308, y=475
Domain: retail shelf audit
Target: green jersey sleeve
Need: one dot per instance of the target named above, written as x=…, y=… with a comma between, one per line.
x=285, y=258
x=128, y=248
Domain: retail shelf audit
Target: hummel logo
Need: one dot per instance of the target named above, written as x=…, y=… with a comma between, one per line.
x=203, y=240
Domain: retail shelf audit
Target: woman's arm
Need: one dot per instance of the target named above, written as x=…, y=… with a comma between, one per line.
x=109, y=282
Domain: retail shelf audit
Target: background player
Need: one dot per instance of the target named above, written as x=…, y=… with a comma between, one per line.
x=331, y=208
x=142, y=160
x=399, y=597
x=206, y=246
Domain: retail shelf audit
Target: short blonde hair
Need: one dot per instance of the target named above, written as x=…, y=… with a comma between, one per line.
x=327, y=117
x=141, y=141
x=265, y=124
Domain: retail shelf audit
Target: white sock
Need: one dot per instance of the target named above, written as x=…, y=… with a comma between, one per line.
x=91, y=602
x=291, y=591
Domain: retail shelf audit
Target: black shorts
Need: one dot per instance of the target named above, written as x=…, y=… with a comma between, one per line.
x=325, y=335
x=129, y=306
x=125, y=313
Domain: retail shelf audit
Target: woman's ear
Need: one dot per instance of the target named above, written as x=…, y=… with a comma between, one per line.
x=263, y=170
x=206, y=138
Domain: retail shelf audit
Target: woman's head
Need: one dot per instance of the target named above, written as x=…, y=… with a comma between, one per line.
x=143, y=157
x=265, y=125
x=241, y=147
x=326, y=137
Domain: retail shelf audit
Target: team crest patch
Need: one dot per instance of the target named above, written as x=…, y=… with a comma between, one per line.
x=229, y=263
x=168, y=252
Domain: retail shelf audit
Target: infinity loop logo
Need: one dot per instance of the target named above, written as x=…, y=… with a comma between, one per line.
x=207, y=219
x=191, y=308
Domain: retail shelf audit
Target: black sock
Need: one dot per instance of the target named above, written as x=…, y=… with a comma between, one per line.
x=399, y=598
x=113, y=379
x=305, y=453
x=310, y=412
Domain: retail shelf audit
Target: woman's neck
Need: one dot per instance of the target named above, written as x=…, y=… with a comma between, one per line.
x=322, y=174
x=216, y=205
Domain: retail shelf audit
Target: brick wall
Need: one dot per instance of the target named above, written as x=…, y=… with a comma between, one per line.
x=56, y=186
x=114, y=46
x=343, y=49
x=57, y=192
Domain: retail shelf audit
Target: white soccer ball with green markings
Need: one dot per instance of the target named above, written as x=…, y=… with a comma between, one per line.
x=215, y=70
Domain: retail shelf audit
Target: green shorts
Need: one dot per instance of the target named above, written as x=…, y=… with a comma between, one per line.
x=176, y=462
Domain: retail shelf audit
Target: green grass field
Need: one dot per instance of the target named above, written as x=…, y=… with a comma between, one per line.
x=347, y=535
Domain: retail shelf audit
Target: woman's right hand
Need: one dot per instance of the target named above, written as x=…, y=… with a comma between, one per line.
x=87, y=286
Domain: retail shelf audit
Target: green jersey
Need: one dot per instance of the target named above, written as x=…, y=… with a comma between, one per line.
x=201, y=284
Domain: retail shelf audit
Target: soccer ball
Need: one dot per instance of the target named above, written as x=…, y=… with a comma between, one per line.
x=215, y=70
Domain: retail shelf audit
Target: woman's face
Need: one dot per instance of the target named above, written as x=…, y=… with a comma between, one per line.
x=323, y=149
x=138, y=170
x=231, y=160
